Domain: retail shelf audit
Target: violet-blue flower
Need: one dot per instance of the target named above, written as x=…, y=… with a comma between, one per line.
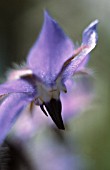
x=51, y=63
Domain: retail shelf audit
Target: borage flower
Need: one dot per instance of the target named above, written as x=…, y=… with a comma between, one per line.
x=51, y=64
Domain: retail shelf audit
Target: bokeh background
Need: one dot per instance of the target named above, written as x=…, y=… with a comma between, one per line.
x=20, y=23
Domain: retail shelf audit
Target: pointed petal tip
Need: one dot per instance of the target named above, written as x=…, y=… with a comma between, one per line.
x=47, y=15
x=49, y=19
x=46, y=12
x=94, y=23
x=92, y=27
x=90, y=36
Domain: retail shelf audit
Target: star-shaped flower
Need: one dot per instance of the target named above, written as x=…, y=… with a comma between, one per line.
x=51, y=64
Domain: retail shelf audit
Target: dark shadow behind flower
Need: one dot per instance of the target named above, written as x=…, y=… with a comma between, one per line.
x=51, y=63
x=13, y=156
x=41, y=153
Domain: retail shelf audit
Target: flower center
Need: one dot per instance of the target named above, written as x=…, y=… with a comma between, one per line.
x=45, y=94
x=48, y=99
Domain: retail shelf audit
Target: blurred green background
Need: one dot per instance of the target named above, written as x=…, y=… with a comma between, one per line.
x=20, y=23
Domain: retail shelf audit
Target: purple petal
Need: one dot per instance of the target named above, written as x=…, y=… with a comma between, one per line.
x=84, y=63
x=78, y=98
x=89, y=41
x=16, y=86
x=50, y=51
x=89, y=34
x=10, y=110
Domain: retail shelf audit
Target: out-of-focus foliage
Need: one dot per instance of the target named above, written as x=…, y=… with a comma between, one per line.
x=20, y=23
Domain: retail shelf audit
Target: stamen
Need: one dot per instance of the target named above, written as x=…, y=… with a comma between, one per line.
x=54, y=108
x=42, y=108
x=31, y=108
